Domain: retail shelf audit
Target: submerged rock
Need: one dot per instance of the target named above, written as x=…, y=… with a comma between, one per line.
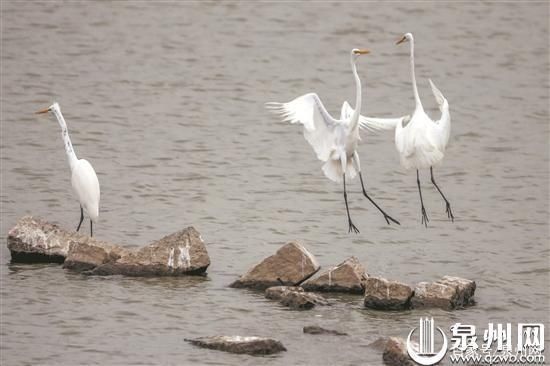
x=238, y=344
x=290, y=266
x=383, y=294
x=181, y=253
x=294, y=297
x=315, y=329
x=395, y=353
x=448, y=293
x=347, y=276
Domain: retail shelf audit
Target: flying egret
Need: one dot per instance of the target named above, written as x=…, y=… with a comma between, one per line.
x=420, y=141
x=333, y=140
x=83, y=176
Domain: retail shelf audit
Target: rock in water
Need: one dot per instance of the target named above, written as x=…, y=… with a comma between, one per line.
x=238, y=344
x=315, y=329
x=294, y=297
x=448, y=293
x=383, y=294
x=290, y=265
x=395, y=353
x=180, y=253
x=35, y=240
x=85, y=256
x=348, y=277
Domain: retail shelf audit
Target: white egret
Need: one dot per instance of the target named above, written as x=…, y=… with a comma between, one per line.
x=333, y=140
x=83, y=177
x=420, y=141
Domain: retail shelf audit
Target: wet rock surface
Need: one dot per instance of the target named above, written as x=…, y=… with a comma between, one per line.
x=238, y=344
x=448, y=293
x=315, y=329
x=85, y=256
x=347, y=276
x=383, y=294
x=295, y=297
x=289, y=266
x=180, y=253
x=395, y=353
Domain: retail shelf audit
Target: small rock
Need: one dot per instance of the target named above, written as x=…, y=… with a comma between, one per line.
x=348, y=277
x=85, y=256
x=383, y=294
x=315, y=329
x=448, y=293
x=181, y=253
x=294, y=297
x=290, y=265
x=238, y=344
x=395, y=353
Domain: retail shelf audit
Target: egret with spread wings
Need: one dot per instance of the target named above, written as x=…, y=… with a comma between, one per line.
x=334, y=140
x=420, y=141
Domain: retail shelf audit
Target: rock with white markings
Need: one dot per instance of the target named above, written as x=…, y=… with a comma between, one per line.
x=347, y=276
x=294, y=297
x=289, y=266
x=86, y=255
x=238, y=344
x=448, y=293
x=383, y=294
x=181, y=253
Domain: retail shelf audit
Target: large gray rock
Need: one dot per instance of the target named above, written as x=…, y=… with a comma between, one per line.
x=395, y=353
x=347, y=276
x=238, y=344
x=315, y=329
x=383, y=294
x=448, y=293
x=35, y=240
x=289, y=266
x=294, y=297
x=181, y=253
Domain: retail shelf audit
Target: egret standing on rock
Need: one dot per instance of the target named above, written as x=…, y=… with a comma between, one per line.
x=83, y=176
x=420, y=141
x=334, y=140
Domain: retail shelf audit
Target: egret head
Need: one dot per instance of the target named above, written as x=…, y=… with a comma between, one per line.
x=53, y=107
x=406, y=37
x=356, y=52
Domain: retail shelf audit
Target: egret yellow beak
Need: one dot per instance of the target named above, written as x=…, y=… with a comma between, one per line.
x=362, y=52
x=43, y=111
x=403, y=39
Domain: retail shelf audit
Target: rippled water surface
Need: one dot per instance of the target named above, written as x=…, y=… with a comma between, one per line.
x=166, y=100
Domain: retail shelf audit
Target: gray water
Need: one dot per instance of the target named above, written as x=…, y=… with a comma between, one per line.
x=166, y=101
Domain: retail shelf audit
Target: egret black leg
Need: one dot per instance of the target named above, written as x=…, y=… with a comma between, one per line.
x=91, y=228
x=386, y=216
x=351, y=226
x=425, y=219
x=448, y=205
x=81, y=218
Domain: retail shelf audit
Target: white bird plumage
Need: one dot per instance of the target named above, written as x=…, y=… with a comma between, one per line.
x=83, y=177
x=420, y=141
x=333, y=140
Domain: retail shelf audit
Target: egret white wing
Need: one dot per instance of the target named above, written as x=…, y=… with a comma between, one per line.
x=444, y=123
x=319, y=125
x=346, y=112
x=378, y=124
x=86, y=187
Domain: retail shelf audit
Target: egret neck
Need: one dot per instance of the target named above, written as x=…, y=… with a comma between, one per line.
x=354, y=122
x=415, y=89
x=71, y=156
